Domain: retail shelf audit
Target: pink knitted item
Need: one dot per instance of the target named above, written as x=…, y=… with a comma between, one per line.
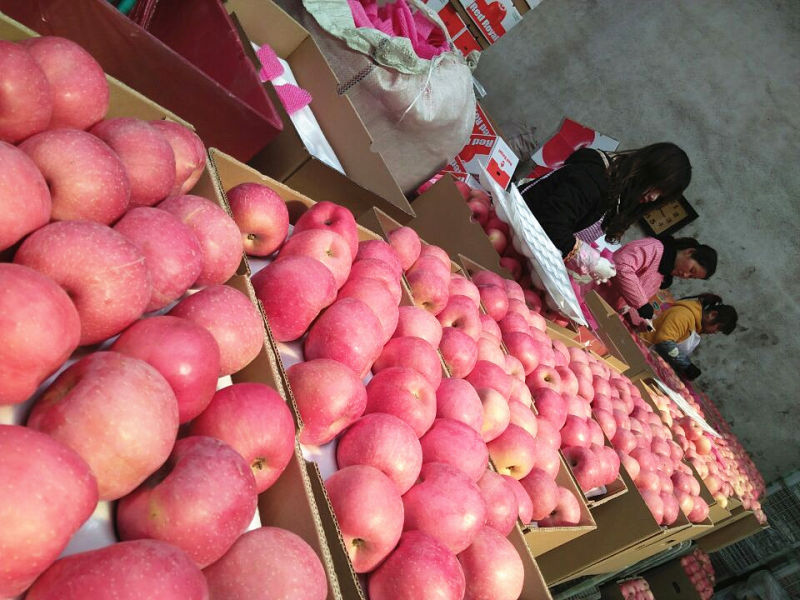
x=270, y=65
x=292, y=97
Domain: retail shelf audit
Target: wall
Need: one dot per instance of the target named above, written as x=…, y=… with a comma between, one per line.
x=721, y=79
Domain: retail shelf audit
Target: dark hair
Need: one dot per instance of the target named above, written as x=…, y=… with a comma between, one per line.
x=726, y=315
x=705, y=256
x=663, y=166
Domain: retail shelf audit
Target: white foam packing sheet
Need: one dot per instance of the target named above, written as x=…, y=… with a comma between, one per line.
x=530, y=240
x=307, y=125
x=687, y=408
x=98, y=531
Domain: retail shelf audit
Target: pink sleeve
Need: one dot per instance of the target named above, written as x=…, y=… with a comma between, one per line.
x=629, y=260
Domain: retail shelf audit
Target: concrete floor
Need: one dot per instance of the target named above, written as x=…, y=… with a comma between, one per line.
x=722, y=80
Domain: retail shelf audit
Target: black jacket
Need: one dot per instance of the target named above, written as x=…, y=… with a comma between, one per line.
x=571, y=198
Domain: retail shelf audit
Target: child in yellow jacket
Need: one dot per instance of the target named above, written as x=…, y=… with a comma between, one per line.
x=677, y=330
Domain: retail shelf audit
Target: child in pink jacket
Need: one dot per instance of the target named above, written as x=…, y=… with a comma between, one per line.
x=647, y=265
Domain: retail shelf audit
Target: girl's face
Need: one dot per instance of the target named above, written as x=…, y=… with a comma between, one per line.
x=650, y=195
x=687, y=267
x=708, y=324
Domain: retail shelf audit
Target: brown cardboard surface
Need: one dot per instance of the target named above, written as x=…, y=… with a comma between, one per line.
x=730, y=531
x=444, y=219
x=534, y=586
x=368, y=182
x=671, y=581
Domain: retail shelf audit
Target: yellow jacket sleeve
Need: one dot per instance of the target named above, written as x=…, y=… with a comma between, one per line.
x=675, y=324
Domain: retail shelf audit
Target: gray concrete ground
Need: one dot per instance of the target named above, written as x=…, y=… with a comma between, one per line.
x=722, y=80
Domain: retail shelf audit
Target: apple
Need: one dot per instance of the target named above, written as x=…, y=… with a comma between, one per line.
x=231, y=318
x=171, y=252
x=430, y=506
x=551, y=406
x=461, y=286
x=494, y=300
x=429, y=290
x=405, y=394
x=78, y=86
x=671, y=508
x=654, y=504
x=414, y=321
x=542, y=491
x=645, y=459
x=261, y=215
x=492, y=567
x=87, y=179
x=125, y=570
x=479, y=210
x=420, y=564
x=497, y=239
x=513, y=452
x=585, y=465
x=369, y=514
x=544, y=377
x=520, y=393
x=624, y=440
x=459, y=352
x=385, y=442
x=512, y=265
x=606, y=422
x=609, y=463
x=462, y=313
x=189, y=152
x=523, y=417
x=147, y=155
x=293, y=292
x=514, y=368
x=496, y=413
x=596, y=436
x=375, y=295
x=514, y=322
x=699, y=512
x=26, y=98
x=522, y=346
x=201, y=500
x=332, y=217
x=324, y=245
x=489, y=350
x=256, y=422
x=51, y=331
x=117, y=412
x=489, y=375
x=457, y=444
x=47, y=493
x=566, y=513
x=372, y=268
x=533, y=300
x=380, y=250
x=502, y=508
x=407, y=244
x=569, y=382
x=185, y=354
x=285, y=560
x=456, y=399
x=413, y=353
x=648, y=480
x=219, y=237
x=575, y=432
x=24, y=195
x=72, y=254
x=490, y=327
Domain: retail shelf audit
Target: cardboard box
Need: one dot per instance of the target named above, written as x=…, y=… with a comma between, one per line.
x=670, y=580
x=239, y=118
x=465, y=36
x=494, y=18
x=444, y=219
x=367, y=182
x=727, y=532
x=487, y=149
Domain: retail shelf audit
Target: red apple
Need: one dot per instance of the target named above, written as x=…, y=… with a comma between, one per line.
x=417, y=322
x=494, y=300
x=72, y=254
x=261, y=215
x=496, y=413
x=24, y=196
x=596, y=436
x=648, y=480
x=514, y=322
x=461, y=313
x=492, y=567
x=326, y=246
x=551, y=406
x=231, y=318
x=699, y=512
x=461, y=286
x=285, y=560
x=489, y=350
x=513, y=452
x=185, y=354
x=501, y=501
x=331, y=217
x=523, y=416
x=148, y=158
x=489, y=375
x=219, y=237
x=419, y=565
x=566, y=513
x=623, y=440
x=256, y=422
x=459, y=352
x=189, y=151
x=524, y=348
x=329, y=397
x=126, y=570
x=606, y=421
x=293, y=292
x=457, y=444
x=380, y=250
x=547, y=433
x=51, y=331
x=385, y=442
x=47, y=493
x=654, y=504
x=369, y=513
x=533, y=300
x=374, y=294
x=479, y=210
x=26, y=98
x=412, y=353
x=456, y=399
x=575, y=432
x=520, y=393
x=489, y=326
x=671, y=508
x=87, y=179
x=171, y=252
x=403, y=393
x=542, y=490
x=585, y=465
x=117, y=412
x=429, y=506
x=429, y=290
x=407, y=244
x=543, y=377
x=512, y=265
x=372, y=268
x=497, y=239
x=78, y=85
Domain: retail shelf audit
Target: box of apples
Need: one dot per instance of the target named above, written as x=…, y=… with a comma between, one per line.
x=143, y=414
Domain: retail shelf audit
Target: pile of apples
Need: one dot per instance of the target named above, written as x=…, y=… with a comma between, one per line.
x=700, y=572
x=636, y=589
x=101, y=231
x=723, y=463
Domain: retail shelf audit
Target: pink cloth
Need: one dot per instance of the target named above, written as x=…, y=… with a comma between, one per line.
x=396, y=20
x=292, y=97
x=637, y=279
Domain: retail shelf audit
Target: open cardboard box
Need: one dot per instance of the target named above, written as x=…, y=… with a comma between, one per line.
x=231, y=173
x=670, y=580
x=235, y=119
x=730, y=531
x=444, y=219
x=367, y=182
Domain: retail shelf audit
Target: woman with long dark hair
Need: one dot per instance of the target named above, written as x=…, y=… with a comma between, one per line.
x=617, y=187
